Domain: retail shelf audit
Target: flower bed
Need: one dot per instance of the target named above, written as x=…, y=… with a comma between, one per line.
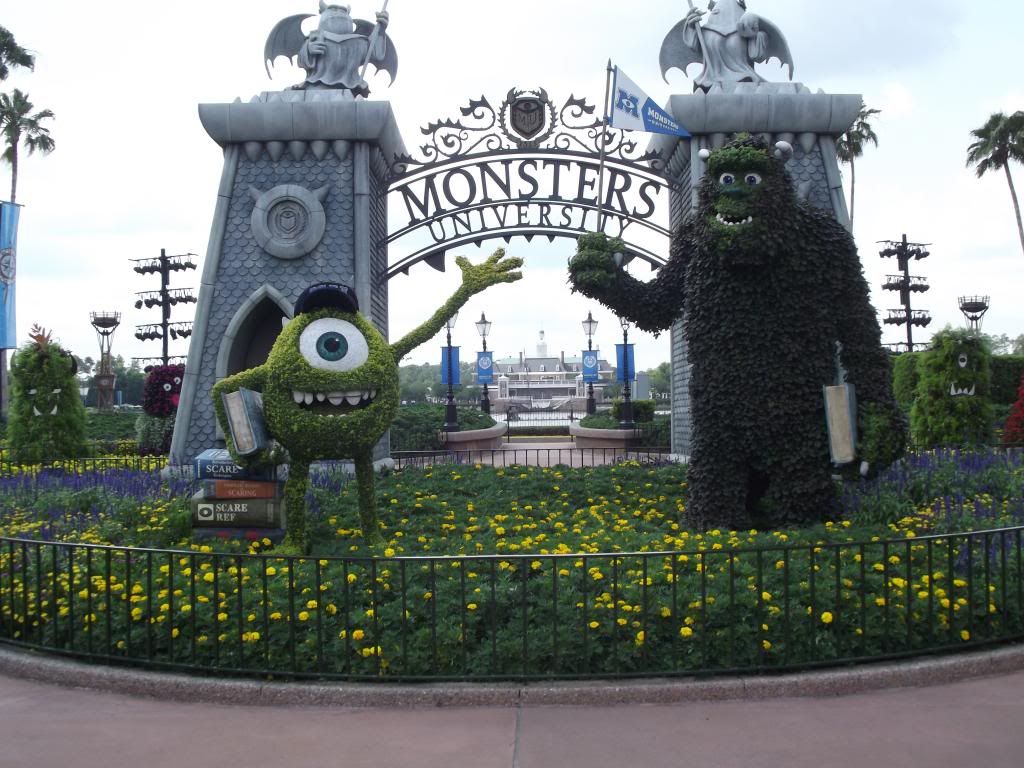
x=520, y=572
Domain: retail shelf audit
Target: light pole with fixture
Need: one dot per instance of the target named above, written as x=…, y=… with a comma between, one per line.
x=626, y=414
x=483, y=327
x=451, y=415
x=590, y=328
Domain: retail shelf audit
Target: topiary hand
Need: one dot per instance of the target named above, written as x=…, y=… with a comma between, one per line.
x=592, y=271
x=883, y=436
x=497, y=269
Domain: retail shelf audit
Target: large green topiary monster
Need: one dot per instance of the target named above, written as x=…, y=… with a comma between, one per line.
x=330, y=385
x=766, y=286
x=47, y=418
x=953, y=405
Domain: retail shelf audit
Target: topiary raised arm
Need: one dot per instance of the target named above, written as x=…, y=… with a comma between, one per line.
x=475, y=278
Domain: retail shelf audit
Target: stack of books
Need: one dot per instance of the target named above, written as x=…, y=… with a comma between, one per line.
x=233, y=497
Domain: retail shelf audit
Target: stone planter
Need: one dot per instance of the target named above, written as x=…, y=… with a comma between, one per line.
x=490, y=439
x=587, y=437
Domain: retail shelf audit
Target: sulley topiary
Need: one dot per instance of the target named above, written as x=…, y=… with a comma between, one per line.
x=330, y=386
x=766, y=287
x=953, y=405
x=1013, y=432
x=155, y=427
x=47, y=418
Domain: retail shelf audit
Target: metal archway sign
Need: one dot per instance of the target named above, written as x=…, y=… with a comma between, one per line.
x=527, y=169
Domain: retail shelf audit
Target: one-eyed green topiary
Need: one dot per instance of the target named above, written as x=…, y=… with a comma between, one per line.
x=766, y=286
x=953, y=405
x=330, y=386
x=47, y=418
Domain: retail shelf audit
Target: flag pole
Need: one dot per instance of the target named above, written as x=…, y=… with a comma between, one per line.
x=604, y=144
x=373, y=42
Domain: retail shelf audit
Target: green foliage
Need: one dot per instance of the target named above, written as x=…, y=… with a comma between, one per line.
x=768, y=285
x=879, y=444
x=661, y=378
x=417, y=427
x=656, y=433
x=366, y=364
x=643, y=410
x=47, y=419
x=1006, y=373
x=904, y=378
x=153, y=434
x=110, y=425
x=953, y=406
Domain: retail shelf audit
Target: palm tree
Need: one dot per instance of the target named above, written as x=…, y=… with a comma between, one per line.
x=12, y=54
x=997, y=142
x=852, y=143
x=19, y=126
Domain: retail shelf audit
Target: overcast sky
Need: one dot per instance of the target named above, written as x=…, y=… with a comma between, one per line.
x=134, y=172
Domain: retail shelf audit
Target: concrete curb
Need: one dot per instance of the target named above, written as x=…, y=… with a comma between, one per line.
x=834, y=682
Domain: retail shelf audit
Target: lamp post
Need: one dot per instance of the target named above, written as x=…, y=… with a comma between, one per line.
x=590, y=328
x=451, y=415
x=626, y=415
x=483, y=327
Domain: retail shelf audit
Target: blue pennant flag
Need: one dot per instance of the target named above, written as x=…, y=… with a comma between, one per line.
x=634, y=110
x=591, y=371
x=455, y=366
x=619, y=374
x=8, y=258
x=484, y=367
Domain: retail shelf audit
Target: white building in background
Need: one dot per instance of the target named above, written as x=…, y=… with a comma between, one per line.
x=544, y=380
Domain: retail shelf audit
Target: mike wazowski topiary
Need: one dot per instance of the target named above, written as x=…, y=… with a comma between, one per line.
x=47, y=418
x=155, y=427
x=330, y=386
x=952, y=406
x=766, y=286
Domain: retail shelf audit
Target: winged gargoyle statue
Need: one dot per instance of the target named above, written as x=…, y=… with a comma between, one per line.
x=335, y=55
x=728, y=44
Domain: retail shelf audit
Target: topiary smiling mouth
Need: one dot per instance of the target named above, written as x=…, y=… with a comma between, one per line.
x=730, y=221
x=336, y=403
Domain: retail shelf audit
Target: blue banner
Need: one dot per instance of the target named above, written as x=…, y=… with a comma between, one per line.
x=619, y=373
x=484, y=367
x=455, y=366
x=591, y=369
x=634, y=110
x=8, y=259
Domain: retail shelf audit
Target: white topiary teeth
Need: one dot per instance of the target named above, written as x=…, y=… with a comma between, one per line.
x=722, y=220
x=956, y=391
x=352, y=397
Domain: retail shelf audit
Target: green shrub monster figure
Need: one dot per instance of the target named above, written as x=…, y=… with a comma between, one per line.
x=766, y=286
x=330, y=386
x=47, y=418
x=953, y=406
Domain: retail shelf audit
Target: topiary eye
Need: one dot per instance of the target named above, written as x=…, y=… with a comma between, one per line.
x=167, y=386
x=332, y=344
x=726, y=179
x=962, y=360
x=753, y=179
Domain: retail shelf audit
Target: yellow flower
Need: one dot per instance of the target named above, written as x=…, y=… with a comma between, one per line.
x=275, y=616
x=311, y=604
x=222, y=616
x=471, y=606
x=271, y=570
x=351, y=578
x=358, y=634
x=965, y=635
x=303, y=615
x=685, y=632
x=640, y=637
x=208, y=577
x=766, y=596
x=594, y=625
x=389, y=552
x=826, y=617
x=766, y=644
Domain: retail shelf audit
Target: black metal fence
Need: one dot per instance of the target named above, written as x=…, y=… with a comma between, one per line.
x=543, y=457
x=515, y=617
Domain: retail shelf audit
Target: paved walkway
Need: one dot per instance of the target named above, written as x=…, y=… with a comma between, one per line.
x=978, y=722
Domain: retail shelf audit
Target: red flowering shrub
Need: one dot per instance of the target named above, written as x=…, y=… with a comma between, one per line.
x=1013, y=432
x=162, y=390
